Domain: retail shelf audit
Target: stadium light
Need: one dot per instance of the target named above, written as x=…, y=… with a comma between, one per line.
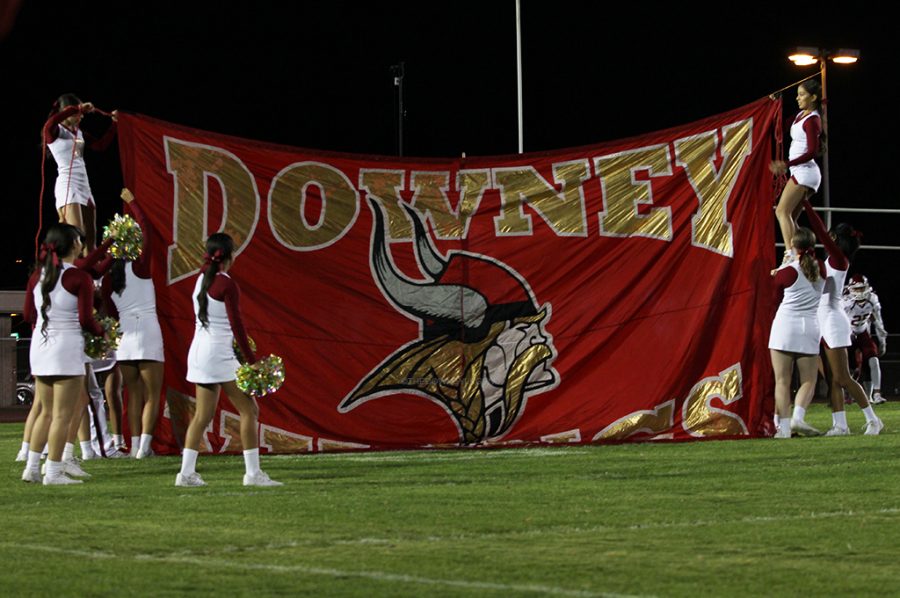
x=807, y=56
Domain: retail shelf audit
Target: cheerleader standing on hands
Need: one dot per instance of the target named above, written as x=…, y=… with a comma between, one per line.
x=212, y=363
x=805, y=146
x=130, y=297
x=59, y=303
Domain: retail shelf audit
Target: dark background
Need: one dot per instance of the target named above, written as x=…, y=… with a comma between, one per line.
x=317, y=75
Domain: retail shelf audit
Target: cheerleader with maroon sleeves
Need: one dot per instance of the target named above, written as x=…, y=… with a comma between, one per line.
x=794, y=338
x=95, y=264
x=212, y=364
x=841, y=244
x=130, y=297
x=59, y=303
x=65, y=140
x=806, y=145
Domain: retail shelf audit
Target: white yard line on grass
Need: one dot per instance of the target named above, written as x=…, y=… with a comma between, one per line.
x=327, y=572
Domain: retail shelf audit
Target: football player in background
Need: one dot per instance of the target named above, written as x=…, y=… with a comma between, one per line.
x=864, y=310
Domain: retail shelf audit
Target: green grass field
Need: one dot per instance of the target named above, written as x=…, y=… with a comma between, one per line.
x=817, y=516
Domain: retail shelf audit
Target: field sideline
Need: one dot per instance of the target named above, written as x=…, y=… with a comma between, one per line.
x=817, y=516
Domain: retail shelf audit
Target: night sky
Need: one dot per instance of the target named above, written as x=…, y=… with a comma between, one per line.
x=317, y=75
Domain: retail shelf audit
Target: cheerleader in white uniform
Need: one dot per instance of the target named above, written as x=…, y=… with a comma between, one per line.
x=59, y=302
x=795, y=330
x=131, y=298
x=806, y=133
x=841, y=243
x=66, y=142
x=212, y=363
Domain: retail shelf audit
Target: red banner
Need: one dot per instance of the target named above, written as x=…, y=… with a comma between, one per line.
x=601, y=293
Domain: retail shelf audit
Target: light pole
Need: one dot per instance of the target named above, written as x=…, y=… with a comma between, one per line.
x=399, y=71
x=807, y=55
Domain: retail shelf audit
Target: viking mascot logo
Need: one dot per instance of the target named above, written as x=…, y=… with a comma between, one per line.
x=482, y=348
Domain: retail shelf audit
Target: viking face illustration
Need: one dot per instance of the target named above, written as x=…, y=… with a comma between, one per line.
x=483, y=348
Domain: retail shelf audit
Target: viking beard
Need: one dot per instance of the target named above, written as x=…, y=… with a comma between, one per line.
x=450, y=372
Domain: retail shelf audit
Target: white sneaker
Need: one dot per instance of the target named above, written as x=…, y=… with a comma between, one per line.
x=116, y=454
x=191, y=479
x=877, y=399
x=72, y=468
x=873, y=428
x=144, y=455
x=801, y=428
x=59, y=480
x=838, y=431
x=260, y=478
x=32, y=476
x=779, y=433
x=21, y=456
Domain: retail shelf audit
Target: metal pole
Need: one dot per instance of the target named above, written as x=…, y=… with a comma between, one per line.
x=826, y=188
x=519, y=71
x=399, y=71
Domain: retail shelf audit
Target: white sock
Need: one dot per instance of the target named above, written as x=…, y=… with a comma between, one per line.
x=251, y=461
x=54, y=468
x=69, y=452
x=145, y=442
x=188, y=461
x=24, y=449
x=777, y=420
x=135, y=445
x=870, y=414
x=119, y=440
x=875, y=371
x=799, y=413
x=839, y=419
x=784, y=426
x=34, y=460
x=87, y=451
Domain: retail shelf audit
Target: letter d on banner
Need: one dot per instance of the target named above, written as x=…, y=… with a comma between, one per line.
x=192, y=165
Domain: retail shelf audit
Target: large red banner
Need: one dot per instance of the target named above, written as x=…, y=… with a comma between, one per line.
x=600, y=293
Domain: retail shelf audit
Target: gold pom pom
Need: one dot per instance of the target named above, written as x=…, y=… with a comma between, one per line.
x=98, y=347
x=262, y=378
x=127, y=236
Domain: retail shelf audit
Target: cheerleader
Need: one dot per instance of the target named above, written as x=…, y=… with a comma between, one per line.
x=795, y=330
x=65, y=140
x=806, y=133
x=130, y=297
x=841, y=243
x=59, y=304
x=94, y=264
x=212, y=363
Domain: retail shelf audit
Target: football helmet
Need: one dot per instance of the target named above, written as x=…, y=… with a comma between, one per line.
x=858, y=288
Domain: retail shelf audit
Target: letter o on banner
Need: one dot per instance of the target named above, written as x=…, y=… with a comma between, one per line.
x=287, y=199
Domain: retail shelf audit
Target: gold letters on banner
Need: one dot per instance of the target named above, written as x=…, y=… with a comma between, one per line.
x=192, y=165
x=522, y=185
x=710, y=228
x=431, y=200
x=701, y=419
x=652, y=422
x=622, y=193
x=287, y=198
x=628, y=182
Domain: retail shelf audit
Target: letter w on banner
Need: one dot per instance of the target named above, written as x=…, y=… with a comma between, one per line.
x=608, y=292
